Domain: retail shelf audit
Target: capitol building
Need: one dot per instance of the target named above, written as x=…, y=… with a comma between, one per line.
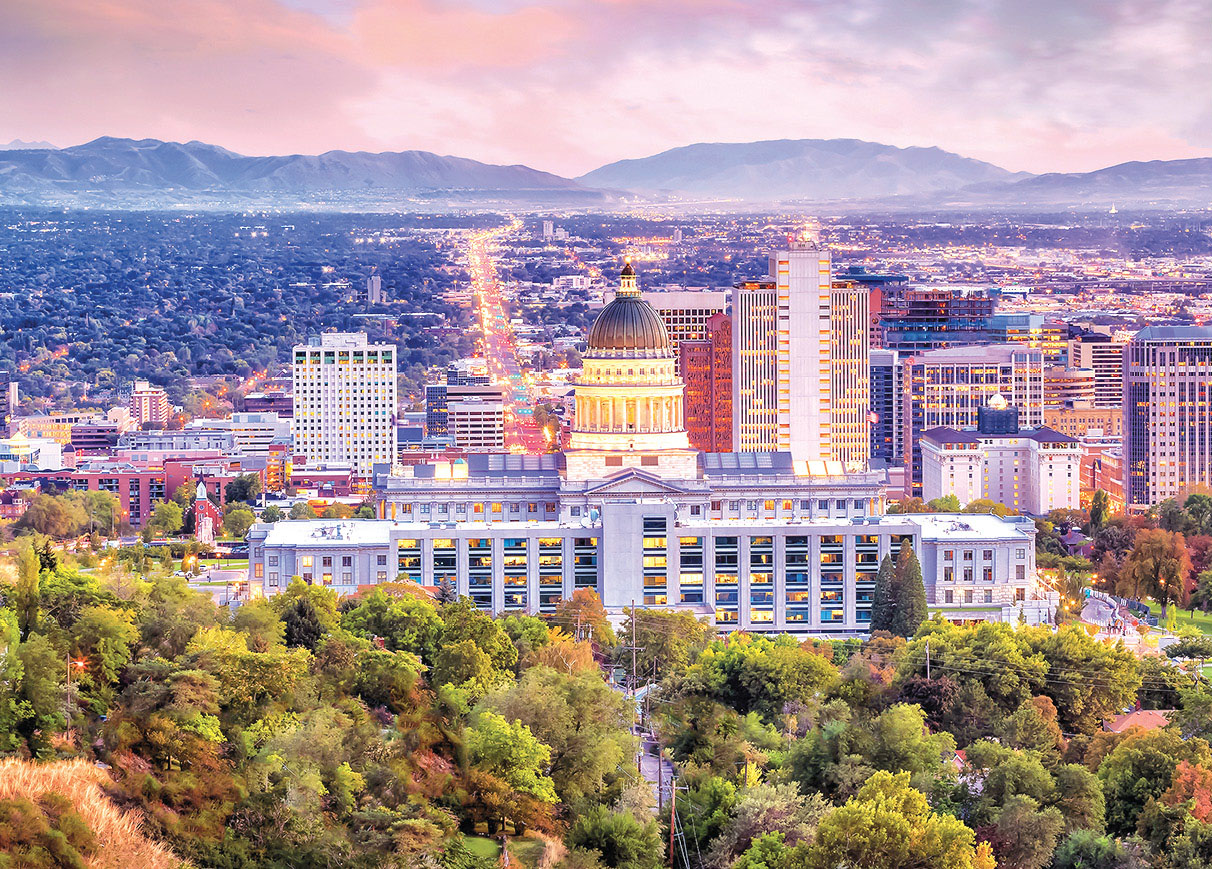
x=752, y=540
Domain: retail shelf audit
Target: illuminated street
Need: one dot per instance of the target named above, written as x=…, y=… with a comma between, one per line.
x=498, y=347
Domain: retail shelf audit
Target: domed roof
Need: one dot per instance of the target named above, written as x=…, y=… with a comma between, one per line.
x=629, y=324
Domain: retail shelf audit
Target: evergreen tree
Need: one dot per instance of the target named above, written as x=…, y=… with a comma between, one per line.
x=910, y=593
x=446, y=591
x=883, y=607
x=303, y=628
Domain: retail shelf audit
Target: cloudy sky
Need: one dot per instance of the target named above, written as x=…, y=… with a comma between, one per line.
x=565, y=85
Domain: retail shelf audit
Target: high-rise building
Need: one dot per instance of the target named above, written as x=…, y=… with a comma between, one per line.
x=1105, y=356
x=705, y=365
x=1167, y=413
x=877, y=285
x=1032, y=470
x=1034, y=330
x=149, y=404
x=800, y=361
x=548, y=230
x=374, y=290
x=477, y=424
x=948, y=387
x=887, y=406
x=345, y=401
x=8, y=401
x=685, y=312
x=850, y=376
x=912, y=319
x=1065, y=387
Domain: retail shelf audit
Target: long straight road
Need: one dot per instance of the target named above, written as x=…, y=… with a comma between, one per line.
x=497, y=343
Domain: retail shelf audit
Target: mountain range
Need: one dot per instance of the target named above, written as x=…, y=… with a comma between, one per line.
x=848, y=173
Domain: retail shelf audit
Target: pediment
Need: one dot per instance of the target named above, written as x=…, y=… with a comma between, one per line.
x=632, y=481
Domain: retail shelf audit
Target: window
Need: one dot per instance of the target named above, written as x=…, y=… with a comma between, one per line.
x=1020, y=595
x=259, y=571
x=273, y=578
x=327, y=562
x=381, y=560
x=346, y=560
x=948, y=596
x=273, y=561
x=1020, y=572
x=988, y=595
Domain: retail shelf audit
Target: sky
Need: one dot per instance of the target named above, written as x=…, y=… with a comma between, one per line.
x=567, y=85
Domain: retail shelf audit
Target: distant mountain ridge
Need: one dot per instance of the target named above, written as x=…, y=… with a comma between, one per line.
x=18, y=145
x=150, y=166
x=789, y=169
x=848, y=173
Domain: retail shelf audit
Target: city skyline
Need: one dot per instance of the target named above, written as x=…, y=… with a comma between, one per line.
x=567, y=87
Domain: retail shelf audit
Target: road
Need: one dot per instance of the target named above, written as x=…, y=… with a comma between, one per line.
x=498, y=345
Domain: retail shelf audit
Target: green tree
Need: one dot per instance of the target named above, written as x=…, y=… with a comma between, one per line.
x=302, y=510
x=237, y=522
x=512, y=753
x=184, y=494
x=467, y=667
x=757, y=674
x=1141, y=768
x=104, y=637
x=1158, y=566
x=889, y=824
x=911, y=608
x=1026, y=833
x=1100, y=511
x=620, y=840
x=883, y=606
x=1192, y=648
x=585, y=723
x=166, y=519
x=762, y=810
x=245, y=487
x=272, y=513
x=56, y=516
x=665, y=642
x=945, y=504
x=26, y=591
x=1087, y=849
x=1202, y=595
x=1087, y=680
x=405, y=623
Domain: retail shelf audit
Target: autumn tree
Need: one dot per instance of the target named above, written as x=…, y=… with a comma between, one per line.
x=1158, y=566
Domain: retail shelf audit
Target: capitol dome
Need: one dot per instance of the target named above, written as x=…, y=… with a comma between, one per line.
x=628, y=327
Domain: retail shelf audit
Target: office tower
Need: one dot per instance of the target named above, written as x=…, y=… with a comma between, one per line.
x=1106, y=357
x=850, y=376
x=1065, y=387
x=439, y=396
x=685, y=312
x=8, y=401
x=878, y=285
x=781, y=344
x=548, y=230
x=705, y=365
x=1032, y=470
x=1086, y=422
x=477, y=423
x=345, y=400
x=1033, y=330
x=800, y=361
x=912, y=319
x=887, y=406
x=947, y=387
x=149, y=404
x=1167, y=416
x=374, y=290
x=677, y=236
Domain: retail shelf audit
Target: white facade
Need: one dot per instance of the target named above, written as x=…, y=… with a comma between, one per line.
x=749, y=574
x=345, y=401
x=686, y=312
x=800, y=362
x=1034, y=471
x=476, y=424
x=251, y=433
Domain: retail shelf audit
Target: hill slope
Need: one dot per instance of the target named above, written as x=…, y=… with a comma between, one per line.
x=782, y=169
x=152, y=167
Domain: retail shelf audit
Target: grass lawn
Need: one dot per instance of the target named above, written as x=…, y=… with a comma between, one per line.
x=1201, y=621
x=526, y=850
x=225, y=563
x=482, y=846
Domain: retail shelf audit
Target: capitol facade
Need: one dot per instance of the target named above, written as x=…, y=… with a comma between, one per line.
x=750, y=540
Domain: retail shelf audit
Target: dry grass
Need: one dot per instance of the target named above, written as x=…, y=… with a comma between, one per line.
x=122, y=843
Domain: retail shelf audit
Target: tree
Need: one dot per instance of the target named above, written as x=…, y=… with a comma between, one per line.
x=889, y=824
x=272, y=513
x=1087, y=680
x=758, y=674
x=1100, y=511
x=946, y=504
x=237, y=522
x=1141, y=768
x=302, y=510
x=405, y=623
x=185, y=494
x=583, y=616
x=762, y=810
x=911, y=608
x=987, y=505
x=666, y=641
x=621, y=840
x=56, y=516
x=26, y=591
x=446, y=591
x=580, y=718
x=1157, y=565
x=166, y=519
x=1198, y=648
x=883, y=606
x=1025, y=834
x=245, y=487
x=337, y=511
x=512, y=753
x=1087, y=849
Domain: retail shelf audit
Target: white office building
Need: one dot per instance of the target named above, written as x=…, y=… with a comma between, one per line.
x=477, y=424
x=345, y=401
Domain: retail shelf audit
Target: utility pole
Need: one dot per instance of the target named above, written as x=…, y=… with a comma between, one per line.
x=927, y=658
x=660, y=781
x=633, y=676
x=673, y=803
